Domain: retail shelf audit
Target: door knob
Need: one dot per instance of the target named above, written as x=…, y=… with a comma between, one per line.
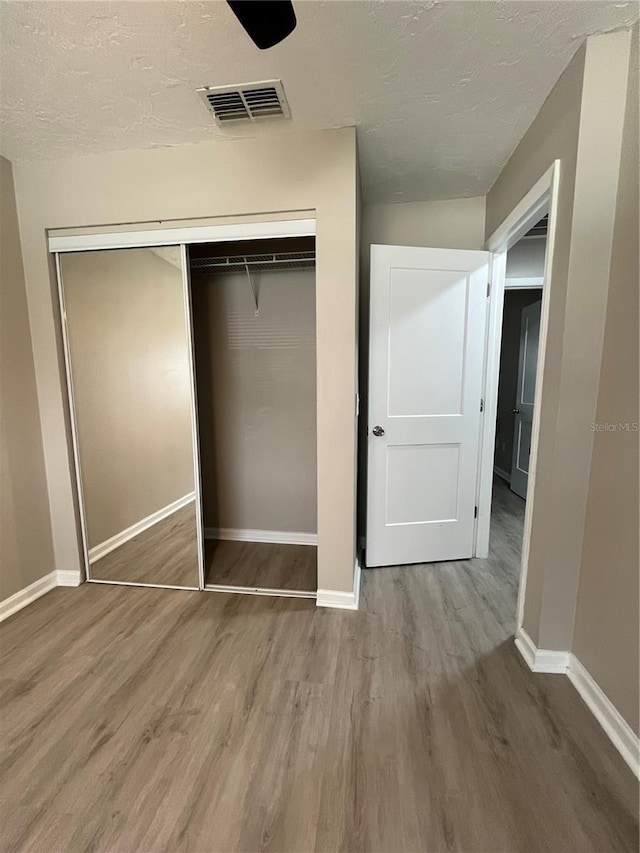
x=377, y=430
x=515, y=411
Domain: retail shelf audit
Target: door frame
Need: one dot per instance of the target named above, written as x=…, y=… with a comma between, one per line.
x=542, y=198
x=195, y=429
x=86, y=240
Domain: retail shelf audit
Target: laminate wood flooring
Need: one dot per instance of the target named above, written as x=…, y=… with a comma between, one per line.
x=141, y=719
x=260, y=564
x=166, y=553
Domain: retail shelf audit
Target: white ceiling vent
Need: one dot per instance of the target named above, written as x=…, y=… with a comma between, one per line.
x=248, y=102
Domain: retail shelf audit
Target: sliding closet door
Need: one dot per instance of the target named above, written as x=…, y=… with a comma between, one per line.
x=131, y=381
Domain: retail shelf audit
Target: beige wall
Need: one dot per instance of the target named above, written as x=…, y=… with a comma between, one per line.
x=606, y=637
x=455, y=224
x=315, y=171
x=580, y=123
x=257, y=399
x=130, y=366
x=26, y=549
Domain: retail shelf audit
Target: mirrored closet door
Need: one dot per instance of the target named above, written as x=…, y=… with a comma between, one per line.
x=131, y=382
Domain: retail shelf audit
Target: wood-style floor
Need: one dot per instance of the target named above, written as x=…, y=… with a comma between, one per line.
x=152, y=720
x=166, y=553
x=260, y=564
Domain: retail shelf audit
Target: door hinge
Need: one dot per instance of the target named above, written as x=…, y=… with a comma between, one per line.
x=488, y=288
x=481, y=405
x=475, y=512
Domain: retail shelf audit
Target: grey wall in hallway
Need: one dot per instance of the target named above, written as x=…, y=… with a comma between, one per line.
x=526, y=258
x=514, y=302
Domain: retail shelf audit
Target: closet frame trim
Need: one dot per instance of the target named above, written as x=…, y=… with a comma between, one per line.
x=181, y=237
x=195, y=429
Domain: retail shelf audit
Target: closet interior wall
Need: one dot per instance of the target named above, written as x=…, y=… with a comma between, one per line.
x=254, y=329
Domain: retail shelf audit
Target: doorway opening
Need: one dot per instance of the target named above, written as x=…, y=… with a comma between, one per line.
x=519, y=357
x=519, y=344
x=522, y=248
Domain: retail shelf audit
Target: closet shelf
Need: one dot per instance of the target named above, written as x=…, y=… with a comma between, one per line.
x=256, y=263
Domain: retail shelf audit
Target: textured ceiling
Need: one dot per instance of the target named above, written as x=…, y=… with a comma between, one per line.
x=441, y=92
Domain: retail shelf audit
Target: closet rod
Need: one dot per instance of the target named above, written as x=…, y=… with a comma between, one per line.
x=263, y=262
x=248, y=264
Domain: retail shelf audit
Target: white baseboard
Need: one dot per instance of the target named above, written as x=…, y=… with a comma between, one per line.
x=502, y=473
x=280, y=537
x=617, y=729
x=342, y=600
x=119, y=539
x=25, y=596
x=620, y=733
x=526, y=647
x=541, y=660
x=68, y=578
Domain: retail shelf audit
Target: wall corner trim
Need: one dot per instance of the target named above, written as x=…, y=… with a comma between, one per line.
x=342, y=600
x=619, y=732
x=25, y=596
x=68, y=578
x=37, y=589
x=541, y=660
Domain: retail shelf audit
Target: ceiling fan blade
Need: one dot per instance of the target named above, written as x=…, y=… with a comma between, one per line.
x=267, y=22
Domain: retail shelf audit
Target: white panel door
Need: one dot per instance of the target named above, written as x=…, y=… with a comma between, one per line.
x=427, y=332
x=523, y=411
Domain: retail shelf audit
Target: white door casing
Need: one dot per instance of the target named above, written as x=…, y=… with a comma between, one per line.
x=427, y=335
x=523, y=409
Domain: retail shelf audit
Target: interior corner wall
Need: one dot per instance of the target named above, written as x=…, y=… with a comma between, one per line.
x=452, y=224
x=26, y=547
x=581, y=124
x=291, y=175
x=606, y=636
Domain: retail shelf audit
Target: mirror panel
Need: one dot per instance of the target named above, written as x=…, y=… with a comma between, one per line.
x=130, y=365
